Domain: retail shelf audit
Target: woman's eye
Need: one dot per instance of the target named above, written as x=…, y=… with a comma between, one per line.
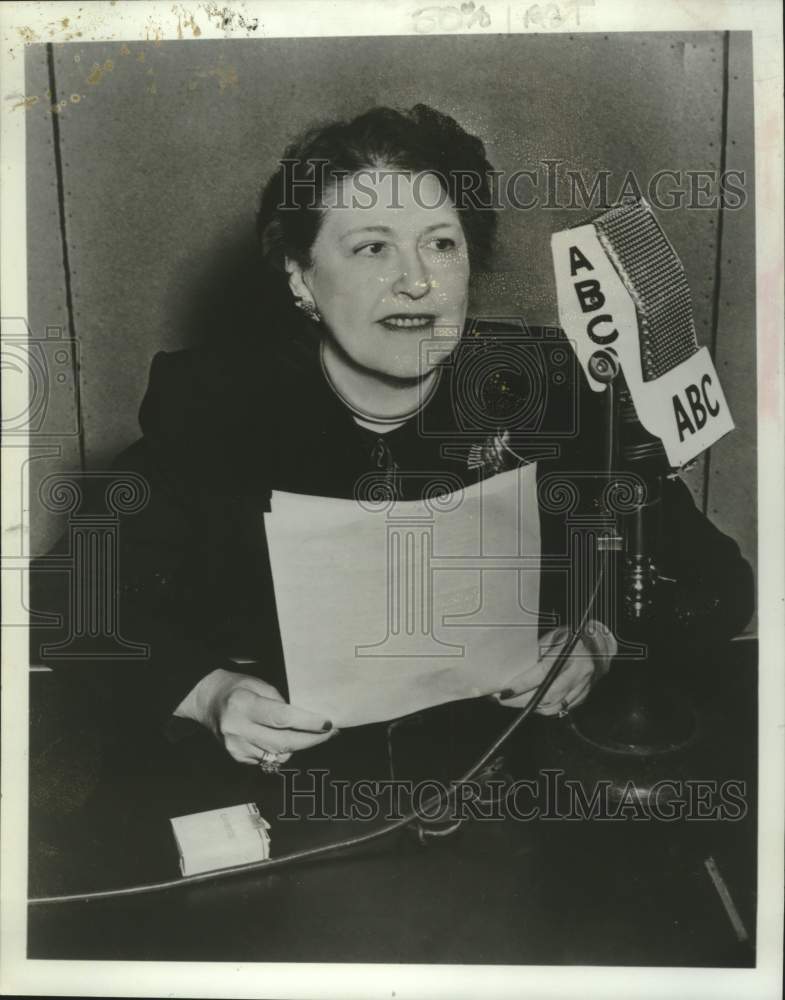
x=370, y=249
x=443, y=243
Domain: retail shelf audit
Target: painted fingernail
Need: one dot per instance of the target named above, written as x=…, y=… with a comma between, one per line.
x=506, y=693
x=327, y=727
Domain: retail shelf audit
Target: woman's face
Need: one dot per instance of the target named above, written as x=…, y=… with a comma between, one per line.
x=389, y=270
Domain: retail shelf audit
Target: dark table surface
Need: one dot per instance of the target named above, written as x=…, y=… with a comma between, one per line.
x=543, y=891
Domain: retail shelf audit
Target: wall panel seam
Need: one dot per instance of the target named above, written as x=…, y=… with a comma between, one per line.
x=715, y=310
x=69, y=305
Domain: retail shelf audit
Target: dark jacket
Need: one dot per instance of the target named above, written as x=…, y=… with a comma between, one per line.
x=223, y=428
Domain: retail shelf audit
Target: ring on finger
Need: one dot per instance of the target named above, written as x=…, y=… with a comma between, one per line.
x=269, y=761
x=564, y=709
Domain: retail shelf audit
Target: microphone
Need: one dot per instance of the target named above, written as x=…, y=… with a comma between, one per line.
x=625, y=305
x=624, y=300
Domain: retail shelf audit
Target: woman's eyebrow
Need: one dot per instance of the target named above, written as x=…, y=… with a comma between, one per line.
x=439, y=225
x=366, y=229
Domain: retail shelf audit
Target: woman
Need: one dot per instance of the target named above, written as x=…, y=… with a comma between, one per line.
x=369, y=239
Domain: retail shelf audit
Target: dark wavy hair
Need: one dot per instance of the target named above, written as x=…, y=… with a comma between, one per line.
x=415, y=141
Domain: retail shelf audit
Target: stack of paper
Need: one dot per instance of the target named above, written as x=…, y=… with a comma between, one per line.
x=389, y=608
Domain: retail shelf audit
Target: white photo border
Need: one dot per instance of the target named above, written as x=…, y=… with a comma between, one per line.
x=25, y=23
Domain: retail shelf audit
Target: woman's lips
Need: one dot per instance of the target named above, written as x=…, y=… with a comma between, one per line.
x=414, y=322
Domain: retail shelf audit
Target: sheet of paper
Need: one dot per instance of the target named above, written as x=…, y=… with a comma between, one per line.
x=390, y=607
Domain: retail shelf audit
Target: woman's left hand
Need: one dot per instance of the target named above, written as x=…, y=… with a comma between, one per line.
x=589, y=660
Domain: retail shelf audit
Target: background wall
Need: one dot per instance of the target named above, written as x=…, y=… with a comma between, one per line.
x=147, y=243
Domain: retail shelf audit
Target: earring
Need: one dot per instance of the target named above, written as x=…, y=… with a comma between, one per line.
x=308, y=308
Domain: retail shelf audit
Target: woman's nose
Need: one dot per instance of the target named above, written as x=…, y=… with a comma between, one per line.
x=413, y=279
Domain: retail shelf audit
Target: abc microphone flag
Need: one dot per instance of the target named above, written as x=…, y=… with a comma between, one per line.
x=622, y=290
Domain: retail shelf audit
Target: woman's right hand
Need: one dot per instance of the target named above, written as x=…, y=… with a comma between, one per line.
x=249, y=716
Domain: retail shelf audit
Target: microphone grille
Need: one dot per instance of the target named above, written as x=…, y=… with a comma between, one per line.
x=650, y=268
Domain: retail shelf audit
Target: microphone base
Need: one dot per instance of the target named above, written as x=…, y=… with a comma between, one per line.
x=633, y=732
x=632, y=713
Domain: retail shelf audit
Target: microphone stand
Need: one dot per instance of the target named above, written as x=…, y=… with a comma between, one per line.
x=633, y=711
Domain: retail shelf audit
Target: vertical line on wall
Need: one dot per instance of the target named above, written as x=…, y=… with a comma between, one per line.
x=69, y=302
x=715, y=306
